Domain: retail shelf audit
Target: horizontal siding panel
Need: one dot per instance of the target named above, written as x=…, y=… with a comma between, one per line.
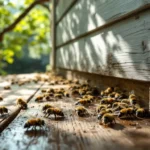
x=87, y=15
x=121, y=50
x=61, y=7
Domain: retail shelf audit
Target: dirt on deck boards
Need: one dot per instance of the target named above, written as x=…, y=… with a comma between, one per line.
x=71, y=132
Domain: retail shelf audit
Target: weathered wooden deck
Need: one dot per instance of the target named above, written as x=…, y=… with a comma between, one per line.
x=71, y=133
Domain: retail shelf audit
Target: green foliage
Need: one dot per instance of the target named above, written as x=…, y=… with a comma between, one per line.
x=32, y=32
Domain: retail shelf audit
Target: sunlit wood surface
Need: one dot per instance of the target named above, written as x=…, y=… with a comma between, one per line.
x=72, y=132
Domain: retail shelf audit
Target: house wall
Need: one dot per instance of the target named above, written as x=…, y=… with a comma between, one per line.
x=109, y=38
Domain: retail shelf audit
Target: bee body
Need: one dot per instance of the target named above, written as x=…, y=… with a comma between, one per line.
x=55, y=111
x=66, y=94
x=45, y=107
x=58, y=96
x=39, y=98
x=107, y=101
x=126, y=112
x=7, y=87
x=141, y=112
x=81, y=111
x=3, y=110
x=108, y=119
x=1, y=98
x=21, y=103
x=98, y=109
x=50, y=90
x=43, y=90
x=83, y=102
x=34, y=123
x=118, y=106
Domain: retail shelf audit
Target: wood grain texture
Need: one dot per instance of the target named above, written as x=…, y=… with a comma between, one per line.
x=62, y=5
x=122, y=50
x=87, y=15
x=72, y=133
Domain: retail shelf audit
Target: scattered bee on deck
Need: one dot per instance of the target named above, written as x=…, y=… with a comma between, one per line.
x=99, y=108
x=119, y=105
x=3, y=110
x=133, y=99
x=66, y=94
x=126, y=112
x=81, y=111
x=83, y=102
x=125, y=101
x=39, y=98
x=46, y=106
x=103, y=112
x=55, y=111
x=142, y=112
x=1, y=98
x=75, y=93
x=7, y=87
x=108, y=119
x=43, y=90
x=108, y=101
x=21, y=103
x=58, y=96
x=34, y=123
x=50, y=90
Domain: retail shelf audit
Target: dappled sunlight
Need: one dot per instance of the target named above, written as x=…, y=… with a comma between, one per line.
x=116, y=50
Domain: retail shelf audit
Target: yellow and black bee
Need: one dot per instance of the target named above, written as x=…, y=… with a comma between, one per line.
x=107, y=101
x=21, y=103
x=125, y=112
x=66, y=94
x=142, y=112
x=7, y=87
x=125, y=101
x=75, y=93
x=39, y=98
x=119, y=105
x=83, y=102
x=3, y=110
x=108, y=119
x=82, y=91
x=102, y=112
x=81, y=111
x=1, y=98
x=43, y=90
x=48, y=98
x=120, y=95
x=34, y=123
x=58, y=96
x=109, y=90
x=50, y=91
x=133, y=99
x=89, y=97
x=54, y=111
x=45, y=107
x=99, y=108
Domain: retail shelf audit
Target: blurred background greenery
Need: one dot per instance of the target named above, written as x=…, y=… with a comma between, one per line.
x=26, y=47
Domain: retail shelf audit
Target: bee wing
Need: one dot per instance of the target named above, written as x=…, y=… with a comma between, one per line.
x=116, y=113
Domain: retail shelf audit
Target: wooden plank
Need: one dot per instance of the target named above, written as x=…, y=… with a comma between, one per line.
x=62, y=6
x=66, y=11
x=125, y=43
x=9, y=98
x=89, y=16
x=72, y=133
